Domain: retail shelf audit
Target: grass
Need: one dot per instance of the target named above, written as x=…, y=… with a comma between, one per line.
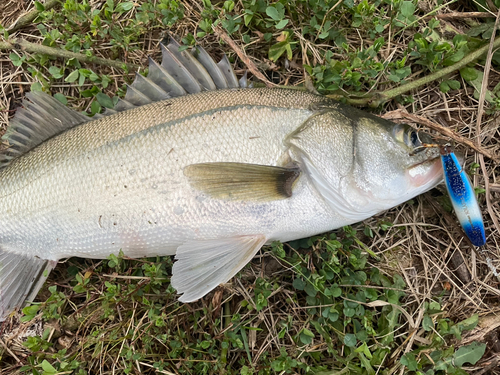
x=402, y=292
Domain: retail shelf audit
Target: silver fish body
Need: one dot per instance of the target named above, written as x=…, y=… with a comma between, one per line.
x=117, y=183
x=122, y=182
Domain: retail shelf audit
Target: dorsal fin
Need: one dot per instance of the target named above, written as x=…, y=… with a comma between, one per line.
x=211, y=67
x=180, y=73
x=149, y=88
x=163, y=79
x=41, y=117
x=226, y=69
x=192, y=64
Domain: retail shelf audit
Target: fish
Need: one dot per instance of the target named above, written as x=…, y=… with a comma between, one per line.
x=196, y=164
x=462, y=197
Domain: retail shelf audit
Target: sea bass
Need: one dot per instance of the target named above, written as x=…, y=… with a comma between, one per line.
x=192, y=164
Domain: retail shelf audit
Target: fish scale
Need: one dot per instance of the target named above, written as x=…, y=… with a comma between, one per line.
x=160, y=153
x=209, y=177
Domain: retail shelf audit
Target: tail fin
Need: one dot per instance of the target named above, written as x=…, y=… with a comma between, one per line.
x=21, y=277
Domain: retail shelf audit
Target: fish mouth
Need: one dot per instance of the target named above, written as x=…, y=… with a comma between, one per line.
x=426, y=174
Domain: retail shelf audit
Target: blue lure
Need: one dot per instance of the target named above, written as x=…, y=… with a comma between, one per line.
x=462, y=197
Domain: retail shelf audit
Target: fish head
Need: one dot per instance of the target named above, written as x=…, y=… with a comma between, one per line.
x=393, y=164
x=362, y=164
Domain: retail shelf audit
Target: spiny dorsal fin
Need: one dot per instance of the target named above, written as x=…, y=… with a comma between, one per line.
x=177, y=69
x=226, y=69
x=149, y=88
x=192, y=64
x=211, y=67
x=41, y=117
x=163, y=79
x=240, y=181
x=180, y=73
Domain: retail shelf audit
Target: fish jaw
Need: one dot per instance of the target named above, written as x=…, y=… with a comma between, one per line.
x=416, y=180
x=426, y=175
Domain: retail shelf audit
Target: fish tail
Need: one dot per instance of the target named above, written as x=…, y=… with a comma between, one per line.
x=21, y=277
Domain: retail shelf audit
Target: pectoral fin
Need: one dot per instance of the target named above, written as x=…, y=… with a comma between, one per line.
x=202, y=265
x=239, y=181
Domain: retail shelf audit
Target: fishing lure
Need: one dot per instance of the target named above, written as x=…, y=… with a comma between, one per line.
x=462, y=197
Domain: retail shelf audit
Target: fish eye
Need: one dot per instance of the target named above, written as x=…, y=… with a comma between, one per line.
x=413, y=141
x=408, y=136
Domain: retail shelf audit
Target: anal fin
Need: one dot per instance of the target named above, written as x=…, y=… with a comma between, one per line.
x=204, y=264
